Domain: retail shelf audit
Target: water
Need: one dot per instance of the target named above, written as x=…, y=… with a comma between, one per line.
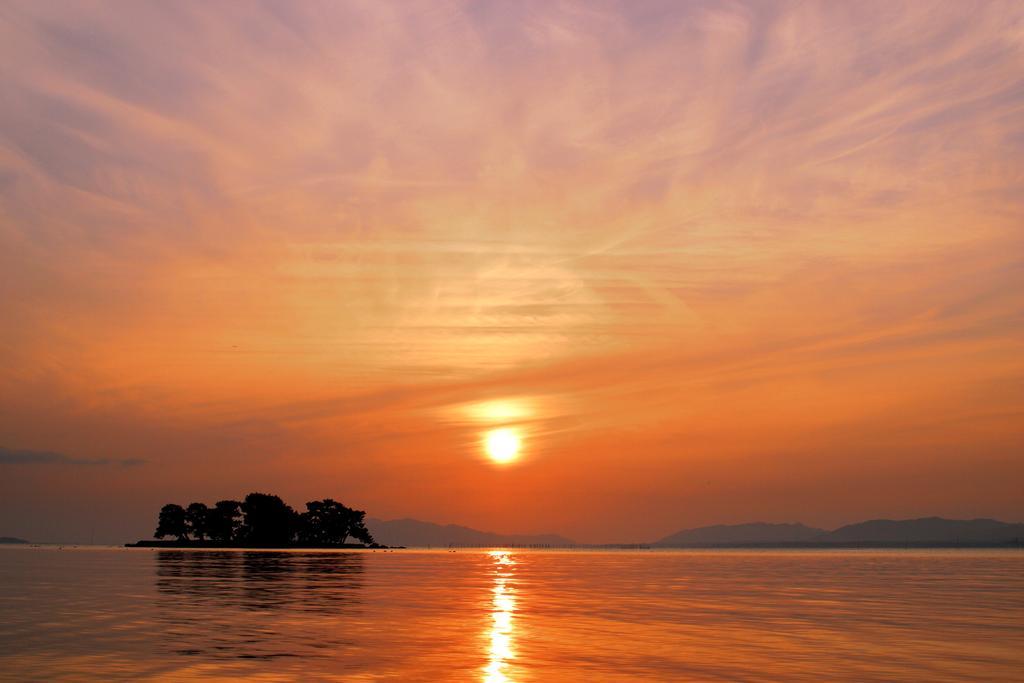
x=138, y=614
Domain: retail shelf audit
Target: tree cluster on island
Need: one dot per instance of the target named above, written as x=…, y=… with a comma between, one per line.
x=263, y=520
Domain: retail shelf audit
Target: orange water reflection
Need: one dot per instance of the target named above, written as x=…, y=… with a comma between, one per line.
x=503, y=607
x=181, y=615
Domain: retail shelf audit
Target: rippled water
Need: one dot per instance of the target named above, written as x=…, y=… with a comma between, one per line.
x=131, y=614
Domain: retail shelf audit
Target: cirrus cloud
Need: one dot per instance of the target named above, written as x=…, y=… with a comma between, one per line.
x=11, y=456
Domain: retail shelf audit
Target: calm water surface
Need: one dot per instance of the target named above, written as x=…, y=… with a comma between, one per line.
x=139, y=614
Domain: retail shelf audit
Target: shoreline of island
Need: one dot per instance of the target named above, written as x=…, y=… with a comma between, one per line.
x=214, y=545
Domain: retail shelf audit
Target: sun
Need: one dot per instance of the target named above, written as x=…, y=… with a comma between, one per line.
x=502, y=445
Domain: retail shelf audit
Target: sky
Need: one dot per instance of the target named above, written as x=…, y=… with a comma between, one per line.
x=710, y=262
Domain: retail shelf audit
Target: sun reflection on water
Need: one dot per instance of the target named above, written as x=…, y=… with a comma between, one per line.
x=503, y=607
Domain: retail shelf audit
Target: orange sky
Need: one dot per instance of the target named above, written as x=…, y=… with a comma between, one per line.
x=716, y=261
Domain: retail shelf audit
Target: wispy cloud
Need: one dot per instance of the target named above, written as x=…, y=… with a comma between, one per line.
x=9, y=456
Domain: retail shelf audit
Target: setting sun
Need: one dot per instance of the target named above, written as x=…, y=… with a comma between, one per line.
x=502, y=445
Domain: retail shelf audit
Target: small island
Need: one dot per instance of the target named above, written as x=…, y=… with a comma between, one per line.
x=261, y=520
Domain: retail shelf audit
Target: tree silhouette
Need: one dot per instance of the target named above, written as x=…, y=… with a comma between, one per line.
x=224, y=520
x=267, y=520
x=357, y=529
x=264, y=520
x=328, y=522
x=198, y=517
x=172, y=522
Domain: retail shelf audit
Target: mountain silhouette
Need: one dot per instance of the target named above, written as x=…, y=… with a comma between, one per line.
x=922, y=532
x=416, y=533
x=740, y=534
x=927, y=530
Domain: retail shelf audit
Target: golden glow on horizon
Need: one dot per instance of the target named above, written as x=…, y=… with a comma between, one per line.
x=503, y=607
x=502, y=445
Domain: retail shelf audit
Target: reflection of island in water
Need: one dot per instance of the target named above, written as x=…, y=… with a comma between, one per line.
x=211, y=597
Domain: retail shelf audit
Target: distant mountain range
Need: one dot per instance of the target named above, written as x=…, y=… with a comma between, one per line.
x=928, y=531
x=919, y=532
x=414, y=533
